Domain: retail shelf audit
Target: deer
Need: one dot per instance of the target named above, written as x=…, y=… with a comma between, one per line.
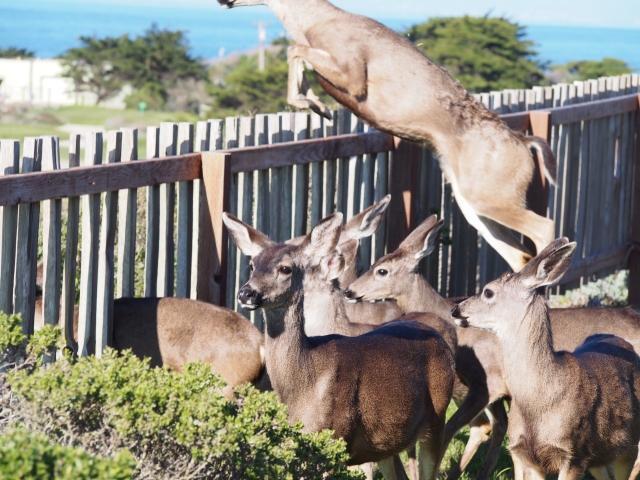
x=396, y=276
x=382, y=392
x=360, y=226
x=174, y=331
x=570, y=411
x=389, y=84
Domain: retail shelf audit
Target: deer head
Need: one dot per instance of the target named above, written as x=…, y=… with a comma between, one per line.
x=505, y=302
x=278, y=269
x=388, y=276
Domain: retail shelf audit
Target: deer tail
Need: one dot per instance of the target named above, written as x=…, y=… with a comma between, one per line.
x=549, y=159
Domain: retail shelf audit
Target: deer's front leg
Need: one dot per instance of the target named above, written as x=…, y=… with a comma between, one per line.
x=350, y=79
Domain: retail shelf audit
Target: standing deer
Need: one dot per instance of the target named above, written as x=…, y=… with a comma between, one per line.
x=388, y=83
x=569, y=411
x=382, y=392
x=479, y=353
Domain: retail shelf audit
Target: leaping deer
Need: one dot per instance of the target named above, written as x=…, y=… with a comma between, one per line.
x=388, y=83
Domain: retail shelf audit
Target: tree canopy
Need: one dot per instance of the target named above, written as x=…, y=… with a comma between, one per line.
x=591, y=69
x=483, y=53
x=151, y=63
x=15, y=52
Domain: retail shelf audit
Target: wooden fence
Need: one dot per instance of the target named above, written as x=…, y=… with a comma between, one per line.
x=124, y=227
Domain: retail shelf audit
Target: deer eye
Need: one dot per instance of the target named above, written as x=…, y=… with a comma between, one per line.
x=382, y=272
x=488, y=293
x=285, y=270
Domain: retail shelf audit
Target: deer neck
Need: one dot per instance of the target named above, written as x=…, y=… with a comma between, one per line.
x=420, y=296
x=299, y=17
x=531, y=367
x=324, y=309
x=287, y=347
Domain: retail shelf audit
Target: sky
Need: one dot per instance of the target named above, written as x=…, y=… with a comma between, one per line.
x=596, y=13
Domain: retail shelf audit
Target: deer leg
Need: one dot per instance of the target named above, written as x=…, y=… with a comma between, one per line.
x=413, y=464
x=503, y=241
x=430, y=454
x=471, y=407
x=392, y=469
x=571, y=472
x=479, y=429
x=298, y=81
x=498, y=417
x=623, y=467
x=602, y=473
x=540, y=230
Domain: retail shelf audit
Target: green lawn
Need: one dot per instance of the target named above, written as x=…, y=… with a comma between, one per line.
x=110, y=119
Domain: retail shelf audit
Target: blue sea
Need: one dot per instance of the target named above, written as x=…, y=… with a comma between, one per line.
x=50, y=27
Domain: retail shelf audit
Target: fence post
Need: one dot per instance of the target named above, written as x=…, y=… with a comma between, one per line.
x=538, y=191
x=634, y=255
x=403, y=186
x=9, y=165
x=213, y=245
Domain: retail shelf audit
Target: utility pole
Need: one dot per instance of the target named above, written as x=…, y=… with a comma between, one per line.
x=262, y=36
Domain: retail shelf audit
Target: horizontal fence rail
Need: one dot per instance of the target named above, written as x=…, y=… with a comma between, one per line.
x=120, y=226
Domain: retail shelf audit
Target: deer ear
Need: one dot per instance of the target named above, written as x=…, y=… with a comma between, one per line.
x=550, y=265
x=349, y=250
x=324, y=236
x=249, y=240
x=422, y=240
x=366, y=222
x=332, y=265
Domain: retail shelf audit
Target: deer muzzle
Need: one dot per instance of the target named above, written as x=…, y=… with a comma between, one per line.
x=460, y=320
x=249, y=299
x=351, y=296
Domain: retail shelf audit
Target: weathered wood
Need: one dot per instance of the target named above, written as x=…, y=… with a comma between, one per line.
x=166, y=250
x=261, y=209
x=594, y=110
x=106, y=253
x=518, y=122
x=587, y=266
x=275, y=188
x=216, y=180
x=245, y=202
x=366, y=200
x=27, y=245
x=208, y=279
x=287, y=125
x=185, y=217
x=128, y=210
x=403, y=189
x=317, y=174
x=634, y=254
x=51, y=243
x=67, y=304
x=330, y=169
x=300, y=179
x=231, y=141
x=9, y=166
x=342, y=168
x=201, y=144
x=89, y=259
x=152, y=243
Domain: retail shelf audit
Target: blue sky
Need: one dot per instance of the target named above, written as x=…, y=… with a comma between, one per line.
x=597, y=13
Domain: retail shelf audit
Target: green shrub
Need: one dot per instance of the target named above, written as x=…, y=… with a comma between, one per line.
x=25, y=455
x=175, y=424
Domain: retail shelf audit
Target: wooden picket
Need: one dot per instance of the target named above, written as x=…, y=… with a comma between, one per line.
x=282, y=173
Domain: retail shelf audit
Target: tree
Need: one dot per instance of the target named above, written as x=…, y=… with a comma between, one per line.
x=15, y=52
x=151, y=64
x=240, y=88
x=94, y=67
x=483, y=53
x=591, y=69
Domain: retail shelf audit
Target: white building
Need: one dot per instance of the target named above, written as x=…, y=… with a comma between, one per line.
x=40, y=82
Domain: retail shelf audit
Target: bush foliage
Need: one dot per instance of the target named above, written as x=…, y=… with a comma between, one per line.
x=176, y=425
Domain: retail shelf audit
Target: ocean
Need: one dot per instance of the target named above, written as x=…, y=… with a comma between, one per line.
x=50, y=27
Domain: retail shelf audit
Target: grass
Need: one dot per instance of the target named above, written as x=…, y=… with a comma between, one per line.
x=29, y=124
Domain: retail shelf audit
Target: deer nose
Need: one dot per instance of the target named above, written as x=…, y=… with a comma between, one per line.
x=350, y=296
x=248, y=297
x=457, y=314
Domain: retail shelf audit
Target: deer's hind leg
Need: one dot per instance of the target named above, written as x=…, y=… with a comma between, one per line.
x=498, y=417
x=392, y=469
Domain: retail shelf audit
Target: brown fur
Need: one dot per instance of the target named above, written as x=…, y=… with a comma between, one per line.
x=569, y=411
x=174, y=331
x=388, y=83
x=382, y=392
